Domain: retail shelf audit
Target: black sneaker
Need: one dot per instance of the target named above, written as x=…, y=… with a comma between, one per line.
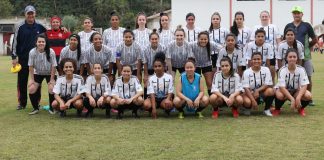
x=108, y=113
x=89, y=113
x=120, y=115
x=62, y=114
x=34, y=111
x=134, y=114
x=79, y=113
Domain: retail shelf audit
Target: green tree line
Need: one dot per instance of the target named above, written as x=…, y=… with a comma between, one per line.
x=98, y=10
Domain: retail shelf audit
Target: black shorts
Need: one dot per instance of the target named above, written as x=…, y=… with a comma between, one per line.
x=39, y=78
x=214, y=60
x=204, y=70
x=65, y=99
x=179, y=69
x=273, y=62
x=150, y=71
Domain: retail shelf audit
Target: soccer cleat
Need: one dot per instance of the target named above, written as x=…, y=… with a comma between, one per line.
x=134, y=114
x=311, y=103
x=34, y=111
x=79, y=113
x=246, y=111
x=180, y=116
x=267, y=113
x=19, y=107
x=200, y=115
x=107, y=113
x=235, y=113
x=301, y=111
x=52, y=112
x=276, y=112
x=62, y=114
x=215, y=114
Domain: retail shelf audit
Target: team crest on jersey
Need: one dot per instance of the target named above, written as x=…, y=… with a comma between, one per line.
x=60, y=35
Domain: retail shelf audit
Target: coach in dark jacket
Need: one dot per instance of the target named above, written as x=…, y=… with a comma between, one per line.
x=24, y=41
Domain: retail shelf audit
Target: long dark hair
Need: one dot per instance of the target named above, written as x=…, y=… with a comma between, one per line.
x=295, y=42
x=227, y=59
x=161, y=15
x=211, y=18
x=208, y=43
x=47, y=46
x=78, y=45
x=291, y=50
x=140, y=14
x=231, y=35
x=234, y=29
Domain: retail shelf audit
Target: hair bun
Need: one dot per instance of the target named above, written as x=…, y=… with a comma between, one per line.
x=159, y=56
x=154, y=30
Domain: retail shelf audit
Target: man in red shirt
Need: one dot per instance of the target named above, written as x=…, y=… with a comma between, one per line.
x=57, y=36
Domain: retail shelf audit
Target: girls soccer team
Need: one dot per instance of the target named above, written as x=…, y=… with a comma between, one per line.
x=222, y=57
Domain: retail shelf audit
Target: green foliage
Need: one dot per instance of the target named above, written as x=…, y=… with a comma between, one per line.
x=70, y=22
x=6, y=8
x=99, y=10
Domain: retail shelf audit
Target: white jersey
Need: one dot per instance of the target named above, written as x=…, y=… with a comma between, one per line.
x=243, y=38
x=266, y=51
x=126, y=90
x=103, y=57
x=112, y=38
x=85, y=39
x=68, y=53
x=192, y=34
x=255, y=79
x=292, y=81
x=161, y=87
x=142, y=37
x=166, y=36
x=236, y=57
x=98, y=89
x=149, y=54
x=201, y=55
x=218, y=36
x=68, y=89
x=129, y=55
x=178, y=54
x=283, y=47
x=226, y=86
x=272, y=33
x=40, y=63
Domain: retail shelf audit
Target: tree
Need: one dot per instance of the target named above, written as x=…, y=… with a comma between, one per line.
x=70, y=22
x=6, y=8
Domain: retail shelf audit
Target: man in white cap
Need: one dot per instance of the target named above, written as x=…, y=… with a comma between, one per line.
x=24, y=41
x=304, y=31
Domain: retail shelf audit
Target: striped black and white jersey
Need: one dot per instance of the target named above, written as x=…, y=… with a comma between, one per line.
x=218, y=36
x=126, y=90
x=160, y=86
x=103, y=57
x=142, y=37
x=283, y=47
x=98, y=89
x=236, y=57
x=266, y=50
x=178, y=54
x=166, y=36
x=149, y=54
x=129, y=55
x=112, y=38
x=85, y=39
x=201, y=55
x=68, y=89
x=226, y=86
x=272, y=33
x=191, y=35
x=39, y=62
x=292, y=81
x=243, y=38
x=68, y=53
x=255, y=79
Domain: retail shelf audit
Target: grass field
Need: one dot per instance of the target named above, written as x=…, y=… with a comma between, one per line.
x=45, y=136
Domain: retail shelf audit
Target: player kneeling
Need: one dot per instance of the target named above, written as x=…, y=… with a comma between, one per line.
x=292, y=82
x=226, y=89
x=257, y=82
x=97, y=91
x=67, y=90
x=190, y=91
x=127, y=93
x=160, y=88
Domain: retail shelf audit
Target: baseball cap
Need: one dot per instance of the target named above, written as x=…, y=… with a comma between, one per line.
x=297, y=9
x=30, y=8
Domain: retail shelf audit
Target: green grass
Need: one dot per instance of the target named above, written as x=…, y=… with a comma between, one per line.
x=45, y=136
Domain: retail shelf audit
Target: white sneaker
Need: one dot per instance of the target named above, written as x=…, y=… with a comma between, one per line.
x=267, y=113
x=35, y=111
x=52, y=112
